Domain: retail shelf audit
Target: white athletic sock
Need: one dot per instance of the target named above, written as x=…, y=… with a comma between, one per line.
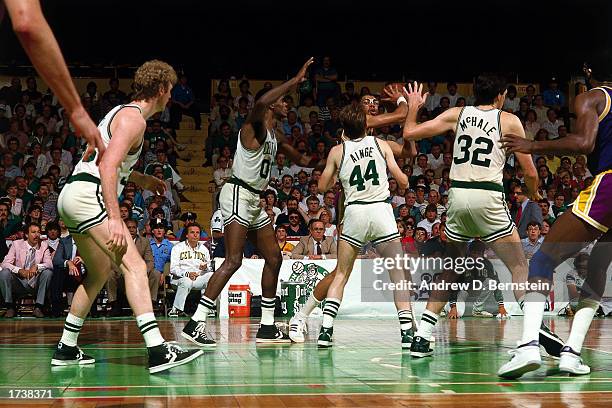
x=582, y=320
x=267, y=310
x=149, y=329
x=533, y=309
x=72, y=328
x=428, y=322
x=405, y=319
x=311, y=304
x=204, y=307
x=330, y=311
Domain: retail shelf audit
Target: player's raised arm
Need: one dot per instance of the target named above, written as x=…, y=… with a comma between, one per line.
x=396, y=172
x=582, y=141
x=439, y=125
x=254, y=125
x=394, y=95
x=40, y=44
x=328, y=177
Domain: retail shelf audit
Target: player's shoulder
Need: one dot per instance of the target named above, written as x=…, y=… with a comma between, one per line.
x=131, y=119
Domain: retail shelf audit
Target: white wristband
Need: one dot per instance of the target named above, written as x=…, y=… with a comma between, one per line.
x=400, y=100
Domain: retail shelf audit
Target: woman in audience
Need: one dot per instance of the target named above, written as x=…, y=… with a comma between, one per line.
x=330, y=229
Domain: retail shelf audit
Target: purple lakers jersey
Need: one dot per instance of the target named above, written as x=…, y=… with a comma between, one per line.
x=601, y=158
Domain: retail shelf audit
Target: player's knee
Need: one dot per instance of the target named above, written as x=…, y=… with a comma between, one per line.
x=233, y=264
x=542, y=266
x=275, y=262
x=135, y=266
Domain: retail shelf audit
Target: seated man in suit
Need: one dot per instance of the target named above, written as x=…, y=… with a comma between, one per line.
x=27, y=268
x=527, y=211
x=316, y=245
x=115, y=279
x=68, y=271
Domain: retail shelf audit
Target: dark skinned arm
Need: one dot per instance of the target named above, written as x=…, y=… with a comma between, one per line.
x=582, y=141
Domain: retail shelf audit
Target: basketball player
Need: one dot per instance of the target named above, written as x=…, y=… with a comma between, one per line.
x=40, y=44
x=477, y=206
x=370, y=104
x=89, y=207
x=259, y=138
x=589, y=219
x=361, y=163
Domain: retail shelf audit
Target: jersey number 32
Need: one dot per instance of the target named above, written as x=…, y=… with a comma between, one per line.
x=484, y=147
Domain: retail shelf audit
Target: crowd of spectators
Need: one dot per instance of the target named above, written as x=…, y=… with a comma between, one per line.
x=39, y=149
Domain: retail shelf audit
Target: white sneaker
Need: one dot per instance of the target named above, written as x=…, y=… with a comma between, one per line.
x=481, y=313
x=570, y=362
x=524, y=359
x=297, y=328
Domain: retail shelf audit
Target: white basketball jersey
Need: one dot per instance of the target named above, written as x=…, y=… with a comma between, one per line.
x=88, y=164
x=477, y=154
x=363, y=171
x=253, y=166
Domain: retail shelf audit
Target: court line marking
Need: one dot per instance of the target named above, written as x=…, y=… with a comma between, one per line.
x=570, y=380
x=598, y=350
x=461, y=372
x=314, y=394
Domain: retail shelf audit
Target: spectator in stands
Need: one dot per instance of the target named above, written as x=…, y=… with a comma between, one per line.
x=160, y=246
x=413, y=209
x=8, y=228
x=330, y=229
x=12, y=93
x=434, y=199
x=545, y=207
x=420, y=237
x=242, y=112
x=559, y=206
x=223, y=172
x=27, y=268
x=540, y=109
x=553, y=97
x=421, y=166
x=552, y=124
x=281, y=239
x=10, y=169
x=316, y=245
x=531, y=124
x=68, y=271
x=184, y=103
x=452, y=94
x=34, y=215
x=329, y=204
x=307, y=108
x=290, y=204
x=313, y=209
x=433, y=98
x=546, y=224
x=533, y=241
x=245, y=92
x=326, y=77
x=115, y=279
x=48, y=120
x=53, y=232
x=420, y=202
x=266, y=87
x=431, y=218
x=511, y=103
x=190, y=268
x=114, y=96
x=16, y=203
x=223, y=90
x=526, y=211
x=296, y=226
x=189, y=218
x=56, y=160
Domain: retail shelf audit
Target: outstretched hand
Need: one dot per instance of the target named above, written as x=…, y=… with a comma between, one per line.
x=415, y=96
x=516, y=144
x=86, y=127
x=393, y=92
x=301, y=75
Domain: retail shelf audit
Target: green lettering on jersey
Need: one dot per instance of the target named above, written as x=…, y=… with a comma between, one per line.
x=356, y=178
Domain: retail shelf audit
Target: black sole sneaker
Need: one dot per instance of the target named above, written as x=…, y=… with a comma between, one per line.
x=70, y=355
x=169, y=355
x=550, y=341
x=269, y=333
x=420, y=348
x=195, y=332
x=325, y=337
x=407, y=336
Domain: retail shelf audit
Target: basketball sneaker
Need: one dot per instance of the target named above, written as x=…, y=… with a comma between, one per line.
x=325, y=337
x=269, y=333
x=70, y=355
x=174, y=312
x=420, y=347
x=196, y=333
x=525, y=358
x=168, y=355
x=297, y=328
x=407, y=336
x=570, y=362
x=550, y=341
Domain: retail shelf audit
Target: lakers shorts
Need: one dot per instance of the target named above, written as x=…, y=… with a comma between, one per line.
x=241, y=205
x=593, y=203
x=477, y=210
x=80, y=203
x=369, y=222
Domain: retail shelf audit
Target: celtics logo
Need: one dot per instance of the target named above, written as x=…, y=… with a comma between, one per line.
x=308, y=274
